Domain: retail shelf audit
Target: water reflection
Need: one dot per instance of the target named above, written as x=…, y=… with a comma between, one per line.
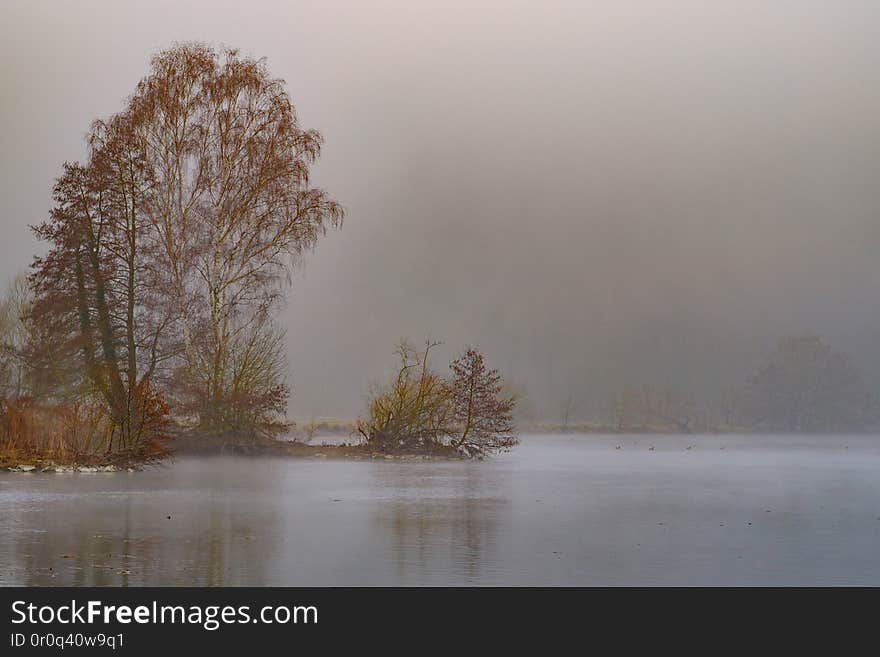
x=93, y=532
x=443, y=526
x=561, y=510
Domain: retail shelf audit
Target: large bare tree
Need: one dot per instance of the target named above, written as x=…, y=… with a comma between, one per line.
x=231, y=204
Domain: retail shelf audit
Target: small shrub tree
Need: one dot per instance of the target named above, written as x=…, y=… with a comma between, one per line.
x=422, y=411
x=482, y=415
x=412, y=412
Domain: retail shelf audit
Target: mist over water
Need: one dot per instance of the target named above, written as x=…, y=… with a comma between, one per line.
x=736, y=510
x=594, y=193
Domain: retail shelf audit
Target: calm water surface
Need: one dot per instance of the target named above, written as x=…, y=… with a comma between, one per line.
x=577, y=510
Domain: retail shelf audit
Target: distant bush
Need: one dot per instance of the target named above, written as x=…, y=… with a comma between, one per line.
x=420, y=410
x=805, y=386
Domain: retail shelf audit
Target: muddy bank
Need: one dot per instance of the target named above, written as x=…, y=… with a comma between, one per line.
x=29, y=460
x=201, y=445
x=51, y=466
x=187, y=444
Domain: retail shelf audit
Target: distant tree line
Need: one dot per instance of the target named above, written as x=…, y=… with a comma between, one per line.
x=803, y=386
x=649, y=406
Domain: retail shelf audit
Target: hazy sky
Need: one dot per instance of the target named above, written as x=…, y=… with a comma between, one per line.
x=593, y=192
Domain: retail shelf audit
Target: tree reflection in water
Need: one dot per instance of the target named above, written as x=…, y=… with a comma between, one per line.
x=441, y=524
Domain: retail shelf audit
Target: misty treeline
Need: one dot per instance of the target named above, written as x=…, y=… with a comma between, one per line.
x=465, y=412
x=803, y=386
x=168, y=253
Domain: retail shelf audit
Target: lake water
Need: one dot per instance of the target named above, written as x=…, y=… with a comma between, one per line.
x=572, y=510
